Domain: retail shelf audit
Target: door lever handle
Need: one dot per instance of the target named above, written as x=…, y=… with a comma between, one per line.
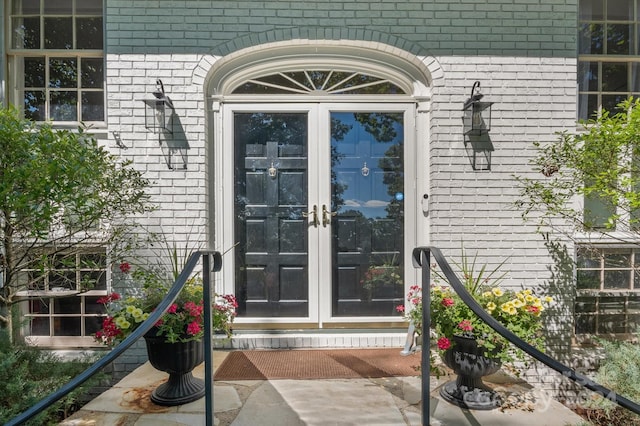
x=314, y=215
x=327, y=215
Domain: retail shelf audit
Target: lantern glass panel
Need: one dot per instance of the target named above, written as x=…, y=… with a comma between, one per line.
x=477, y=118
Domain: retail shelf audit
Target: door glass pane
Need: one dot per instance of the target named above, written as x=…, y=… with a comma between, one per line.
x=270, y=176
x=367, y=183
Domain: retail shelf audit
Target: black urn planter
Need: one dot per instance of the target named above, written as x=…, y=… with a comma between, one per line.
x=178, y=359
x=467, y=360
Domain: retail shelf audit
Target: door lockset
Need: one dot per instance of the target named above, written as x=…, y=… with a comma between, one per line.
x=314, y=215
x=327, y=215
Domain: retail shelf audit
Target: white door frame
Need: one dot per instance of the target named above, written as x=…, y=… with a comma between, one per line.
x=320, y=296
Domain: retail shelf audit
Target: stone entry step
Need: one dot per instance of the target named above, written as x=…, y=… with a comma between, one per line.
x=393, y=401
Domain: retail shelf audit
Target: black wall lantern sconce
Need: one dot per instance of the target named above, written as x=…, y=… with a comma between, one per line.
x=477, y=115
x=158, y=111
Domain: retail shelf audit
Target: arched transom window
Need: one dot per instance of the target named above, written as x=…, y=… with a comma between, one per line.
x=319, y=81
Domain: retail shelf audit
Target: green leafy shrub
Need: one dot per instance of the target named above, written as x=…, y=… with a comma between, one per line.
x=28, y=374
x=620, y=372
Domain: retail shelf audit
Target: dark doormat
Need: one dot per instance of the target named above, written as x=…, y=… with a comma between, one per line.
x=317, y=364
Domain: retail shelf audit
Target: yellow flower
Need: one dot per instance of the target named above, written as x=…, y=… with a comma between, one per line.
x=520, y=295
x=527, y=292
x=529, y=298
x=486, y=294
x=491, y=306
x=548, y=299
x=497, y=292
x=130, y=309
x=517, y=303
x=512, y=310
x=505, y=307
x=122, y=323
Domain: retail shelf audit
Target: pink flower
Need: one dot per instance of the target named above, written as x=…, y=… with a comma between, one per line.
x=447, y=301
x=125, y=267
x=193, y=328
x=400, y=308
x=465, y=325
x=172, y=309
x=193, y=309
x=444, y=343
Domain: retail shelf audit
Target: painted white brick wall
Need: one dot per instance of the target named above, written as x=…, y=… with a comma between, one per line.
x=534, y=98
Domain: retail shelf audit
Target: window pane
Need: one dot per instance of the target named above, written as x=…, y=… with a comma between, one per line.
x=610, y=102
x=91, y=305
x=34, y=105
x=66, y=305
x=596, y=211
x=39, y=306
x=618, y=38
x=635, y=77
x=34, y=72
x=587, y=280
x=89, y=33
x=92, y=72
x=94, y=280
x=58, y=33
x=617, y=279
x=588, y=106
x=617, y=259
x=39, y=326
x=591, y=10
x=591, y=39
x=92, y=106
x=63, y=72
x=64, y=106
x=620, y=10
x=614, y=77
x=92, y=325
x=89, y=7
x=58, y=7
x=26, y=33
x=26, y=7
x=588, y=258
x=588, y=76
x=611, y=324
x=67, y=326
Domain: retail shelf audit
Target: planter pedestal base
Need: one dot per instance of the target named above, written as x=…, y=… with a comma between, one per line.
x=179, y=389
x=475, y=396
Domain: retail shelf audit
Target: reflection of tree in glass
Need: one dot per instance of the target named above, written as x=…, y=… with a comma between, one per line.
x=338, y=131
x=381, y=125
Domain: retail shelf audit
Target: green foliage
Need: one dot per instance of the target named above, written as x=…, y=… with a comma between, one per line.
x=620, y=372
x=599, y=163
x=28, y=375
x=59, y=189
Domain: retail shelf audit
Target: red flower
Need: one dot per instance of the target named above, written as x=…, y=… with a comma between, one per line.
x=125, y=267
x=400, y=308
x=193, y=328
x=465, y=325
x=444, y=343
x=532, y=309
x=172, y=309
x=447, y=301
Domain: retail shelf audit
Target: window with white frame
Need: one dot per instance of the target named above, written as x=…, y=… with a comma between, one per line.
x=607, y=291
x=60, y=301
x=608, y=54
x=56, y=60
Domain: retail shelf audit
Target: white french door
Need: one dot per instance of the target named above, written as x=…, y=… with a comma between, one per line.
x=318, y=208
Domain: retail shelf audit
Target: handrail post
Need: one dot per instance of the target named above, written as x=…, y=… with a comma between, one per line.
x=209, y=266
x=208, y=350
x=425, y=259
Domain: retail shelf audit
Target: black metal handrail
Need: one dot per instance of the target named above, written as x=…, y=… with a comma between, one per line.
x=421, y=259
x=174, y=291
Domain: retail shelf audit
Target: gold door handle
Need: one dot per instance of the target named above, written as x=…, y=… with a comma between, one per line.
x=314, y=215
x=327, y=215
